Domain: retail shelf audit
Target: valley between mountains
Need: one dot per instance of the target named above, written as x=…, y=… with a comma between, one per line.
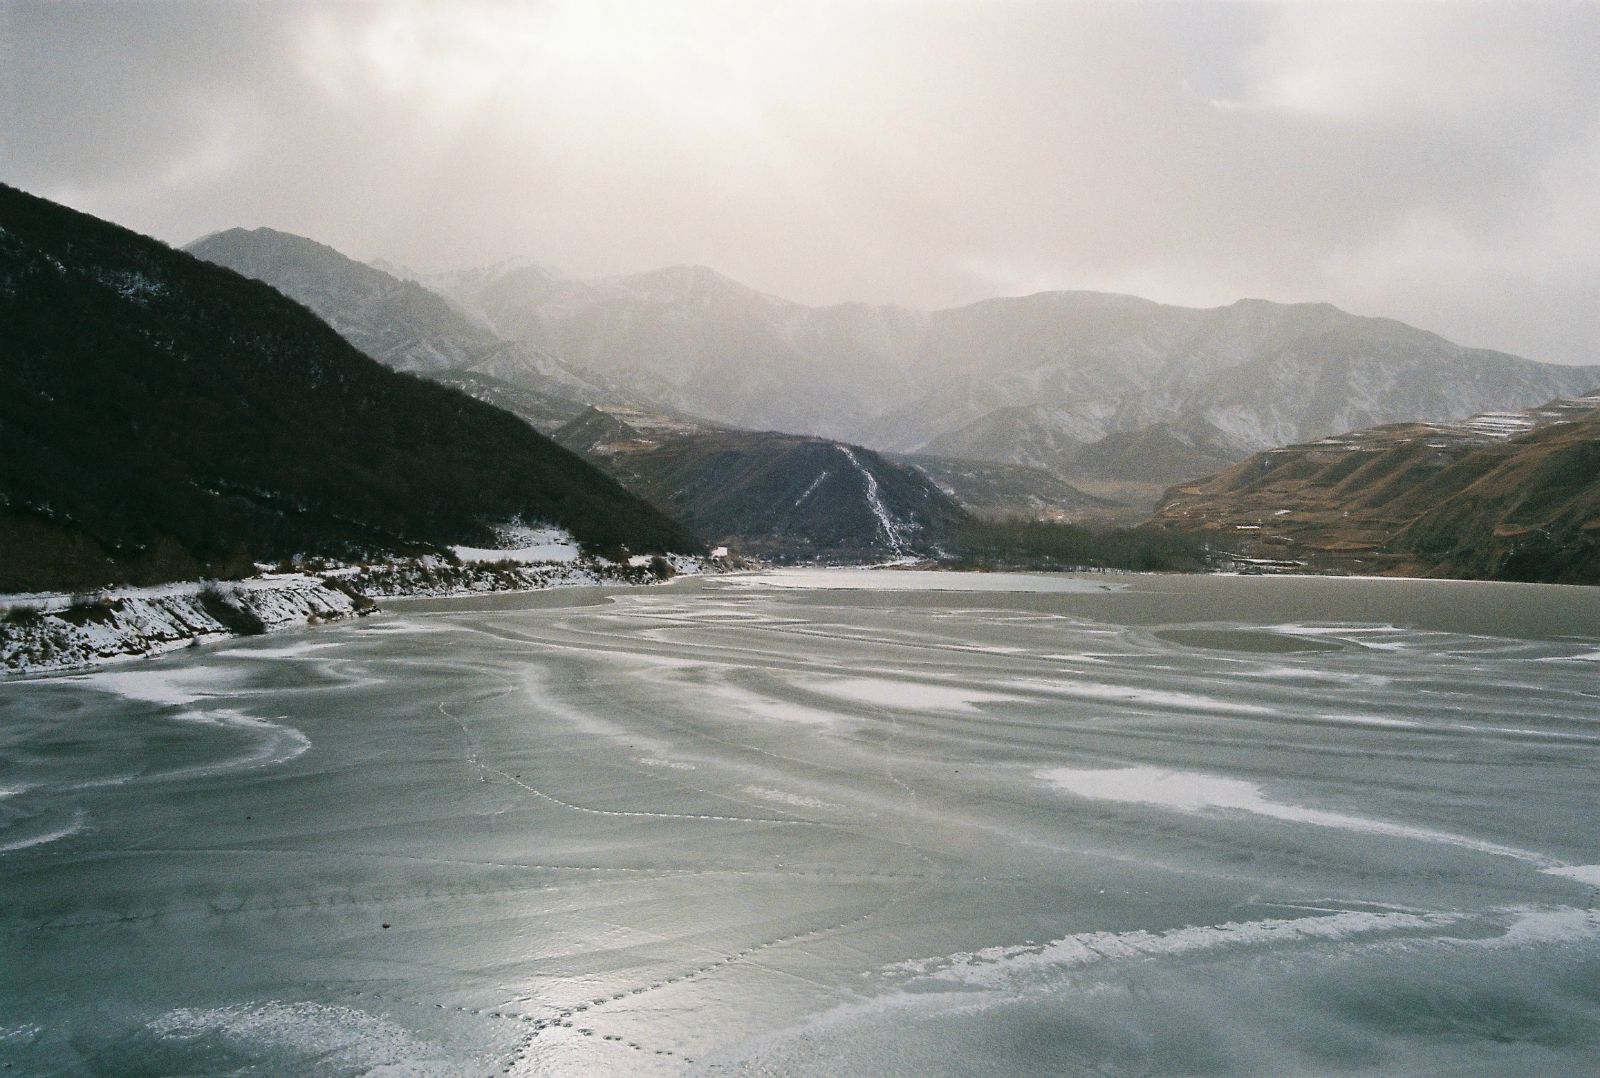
x=1065, y=406
x=262, y=401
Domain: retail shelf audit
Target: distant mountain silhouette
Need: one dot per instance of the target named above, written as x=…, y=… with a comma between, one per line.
x=1033, y=380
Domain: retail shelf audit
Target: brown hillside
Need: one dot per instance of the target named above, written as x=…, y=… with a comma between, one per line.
x=1463, y=500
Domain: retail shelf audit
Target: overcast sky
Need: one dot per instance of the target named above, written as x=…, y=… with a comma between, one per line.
x=1436, y=163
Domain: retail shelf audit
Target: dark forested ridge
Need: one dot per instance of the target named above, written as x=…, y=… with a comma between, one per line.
x=777, y=495
x=161, y=416
x=1043, y=544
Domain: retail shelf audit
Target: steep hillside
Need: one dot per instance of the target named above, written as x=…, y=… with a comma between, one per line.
x=1013, y=490
x=397, y=322
x=1159, y=453
x=1505, y=495
x=161, y=416
x=545, y=412
x=409, y=327
x=776, y=494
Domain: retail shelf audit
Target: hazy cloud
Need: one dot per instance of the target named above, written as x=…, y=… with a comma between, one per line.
x=1438, y=163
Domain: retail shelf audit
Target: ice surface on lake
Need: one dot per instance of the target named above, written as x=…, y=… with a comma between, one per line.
x=291, y=651
x=1138, y=695
x=167, y=685
x=1589, y=874
x=19, y=838
x=832, y=822
x=910, y=695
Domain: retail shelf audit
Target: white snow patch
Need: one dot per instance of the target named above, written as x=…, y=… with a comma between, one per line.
x=390, y=627
x=1189, y=791
x=45, y=837
x=769, y=708
x=525, y=544
x=1128, y=694
x=1559, y=924
x=670, y=765
x=911, y=695
x=893, y=530
x=1589, y=874
x=174, y=687
x=292, y=651
x=274, y=743
x=326, y=1038
x=783, y=797
x=994, y=966
x=1369, y=720
x=815, y=483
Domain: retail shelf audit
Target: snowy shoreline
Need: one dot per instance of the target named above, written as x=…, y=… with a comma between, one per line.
x=54, y=633
x=49, y=633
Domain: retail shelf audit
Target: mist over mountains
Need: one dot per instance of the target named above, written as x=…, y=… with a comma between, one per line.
x=1077, y=383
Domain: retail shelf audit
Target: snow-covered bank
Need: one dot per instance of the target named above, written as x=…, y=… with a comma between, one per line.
x=438, y=578
x=519, y=542
x=43, y=634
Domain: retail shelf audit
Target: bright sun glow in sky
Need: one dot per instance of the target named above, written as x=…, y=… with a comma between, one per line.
x=1438, y=163
x=697, y=69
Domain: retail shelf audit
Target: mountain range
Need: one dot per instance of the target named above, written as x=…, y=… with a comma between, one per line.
x=162, y=417
x=1083, y=385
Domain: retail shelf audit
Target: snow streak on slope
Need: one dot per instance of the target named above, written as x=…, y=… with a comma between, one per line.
x=893, y=533
x=812, y=489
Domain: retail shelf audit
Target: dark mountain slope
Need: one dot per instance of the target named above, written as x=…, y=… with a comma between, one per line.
x=785, y=495
x=1159, y=453
x=1011, y=490
x=1528, y=509
x=544, y=412
x=171, y=414
x=1506, y=496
